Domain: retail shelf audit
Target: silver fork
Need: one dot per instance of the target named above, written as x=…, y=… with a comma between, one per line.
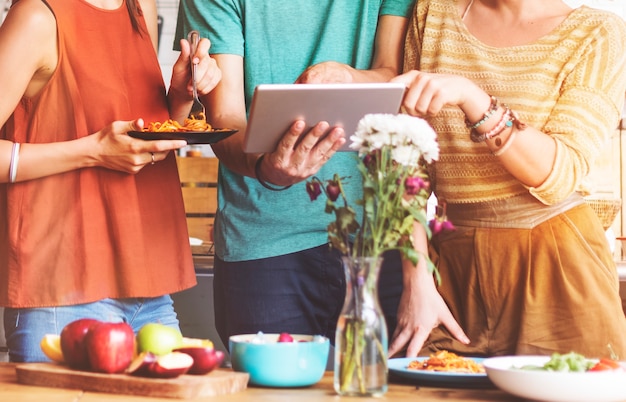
x=198, y=112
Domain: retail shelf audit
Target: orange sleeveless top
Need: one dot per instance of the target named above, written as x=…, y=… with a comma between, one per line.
x=93, y=233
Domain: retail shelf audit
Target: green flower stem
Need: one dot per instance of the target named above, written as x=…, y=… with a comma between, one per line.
x=354, y=341
x=358, y=351
x=347, y=356
x=352, y=364
x=351, y=356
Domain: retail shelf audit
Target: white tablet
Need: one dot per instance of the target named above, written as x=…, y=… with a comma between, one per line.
x=275, y=107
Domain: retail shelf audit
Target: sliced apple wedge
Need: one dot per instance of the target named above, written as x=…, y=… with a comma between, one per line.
x=205, y=359
x=170, y=365
x=140, y=366
x=51, y=346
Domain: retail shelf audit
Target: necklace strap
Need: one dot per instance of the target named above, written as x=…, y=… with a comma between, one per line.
x=467, y=10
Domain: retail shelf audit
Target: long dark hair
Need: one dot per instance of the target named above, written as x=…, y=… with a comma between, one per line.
x=134, y=10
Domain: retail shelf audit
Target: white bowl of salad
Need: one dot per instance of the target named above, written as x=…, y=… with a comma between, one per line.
x=567, y=377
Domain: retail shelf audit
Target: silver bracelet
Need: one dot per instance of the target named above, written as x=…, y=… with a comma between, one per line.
x=15, y=158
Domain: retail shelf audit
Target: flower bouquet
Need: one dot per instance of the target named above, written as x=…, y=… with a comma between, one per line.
x=394, y=154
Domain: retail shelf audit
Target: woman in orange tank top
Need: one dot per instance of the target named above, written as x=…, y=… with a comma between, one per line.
x=92, y=222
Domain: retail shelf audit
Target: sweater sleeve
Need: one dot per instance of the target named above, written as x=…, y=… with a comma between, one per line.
x=588, y=109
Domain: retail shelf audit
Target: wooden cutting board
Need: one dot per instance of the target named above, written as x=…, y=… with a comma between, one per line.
x=217, y=382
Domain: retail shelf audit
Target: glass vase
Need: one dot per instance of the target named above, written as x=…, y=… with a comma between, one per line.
x=361, y=336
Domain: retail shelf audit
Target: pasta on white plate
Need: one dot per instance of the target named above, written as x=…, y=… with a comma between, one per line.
x=444, y=361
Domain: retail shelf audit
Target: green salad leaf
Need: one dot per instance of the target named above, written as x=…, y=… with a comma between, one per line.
x=569, y=362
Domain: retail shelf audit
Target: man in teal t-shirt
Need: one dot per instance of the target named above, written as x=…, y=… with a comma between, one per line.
x=274, y=270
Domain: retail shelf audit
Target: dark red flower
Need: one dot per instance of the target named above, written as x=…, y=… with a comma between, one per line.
x=370, y=159
x=314, y=189
x=333, y=190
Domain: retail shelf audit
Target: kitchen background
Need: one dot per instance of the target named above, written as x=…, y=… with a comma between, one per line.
x=194, y=306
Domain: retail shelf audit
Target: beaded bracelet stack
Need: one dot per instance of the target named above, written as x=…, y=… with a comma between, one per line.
x=507, y=120
x=493, y=107
x=507, y=144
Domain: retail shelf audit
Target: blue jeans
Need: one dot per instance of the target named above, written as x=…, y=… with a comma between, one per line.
x=300, y=293
x=25, y=327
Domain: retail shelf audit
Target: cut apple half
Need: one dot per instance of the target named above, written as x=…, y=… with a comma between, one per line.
x=171, y=365
x=140, y=366
x=205, y=359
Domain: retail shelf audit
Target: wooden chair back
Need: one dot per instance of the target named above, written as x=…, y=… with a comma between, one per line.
x=198, y=178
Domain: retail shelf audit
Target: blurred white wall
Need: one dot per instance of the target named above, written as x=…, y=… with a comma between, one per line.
x=616, y=6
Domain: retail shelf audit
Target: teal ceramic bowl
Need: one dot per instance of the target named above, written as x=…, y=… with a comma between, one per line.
x=279, y=364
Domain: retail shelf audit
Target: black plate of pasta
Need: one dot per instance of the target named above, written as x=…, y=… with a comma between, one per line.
x=192, y=137
x=193, y=130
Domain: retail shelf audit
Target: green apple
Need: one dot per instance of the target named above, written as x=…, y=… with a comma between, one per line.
x=158, y=339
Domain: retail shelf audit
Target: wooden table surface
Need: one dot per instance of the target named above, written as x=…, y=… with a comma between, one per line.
x=11, y=391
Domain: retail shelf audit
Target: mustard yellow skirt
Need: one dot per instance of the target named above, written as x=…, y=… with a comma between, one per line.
x=550, y=288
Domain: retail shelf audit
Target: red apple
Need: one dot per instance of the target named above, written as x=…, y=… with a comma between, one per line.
x=110, y=346
x=73, y=342
x=170, y=365
x=205, y=358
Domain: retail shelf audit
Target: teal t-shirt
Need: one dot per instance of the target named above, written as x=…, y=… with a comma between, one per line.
x=278, y=40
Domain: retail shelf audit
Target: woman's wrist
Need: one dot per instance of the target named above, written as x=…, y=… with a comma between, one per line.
x=501, y=123
x=497, y=141
x=87, y=150
x=493, y=108
x=476, y=103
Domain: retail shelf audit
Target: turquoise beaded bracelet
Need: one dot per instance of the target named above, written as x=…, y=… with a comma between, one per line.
x=492, y=109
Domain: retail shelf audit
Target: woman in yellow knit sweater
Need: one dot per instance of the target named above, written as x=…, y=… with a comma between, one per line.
x=523, y=95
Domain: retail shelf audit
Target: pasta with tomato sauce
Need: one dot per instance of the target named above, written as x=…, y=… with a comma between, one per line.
x=445, y=361
x=170, y=125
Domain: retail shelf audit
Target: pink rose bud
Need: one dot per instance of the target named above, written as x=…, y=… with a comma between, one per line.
x=436, y=226
x=448, y=226
x=413, y=185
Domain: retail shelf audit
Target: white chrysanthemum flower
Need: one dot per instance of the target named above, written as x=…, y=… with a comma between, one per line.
x=411, y=137
x=406, y=155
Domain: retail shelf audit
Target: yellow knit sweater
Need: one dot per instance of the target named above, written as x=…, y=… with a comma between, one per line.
x=569, y=84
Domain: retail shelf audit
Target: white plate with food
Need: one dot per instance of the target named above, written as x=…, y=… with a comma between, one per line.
x=528, y=377
x=459, y=372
